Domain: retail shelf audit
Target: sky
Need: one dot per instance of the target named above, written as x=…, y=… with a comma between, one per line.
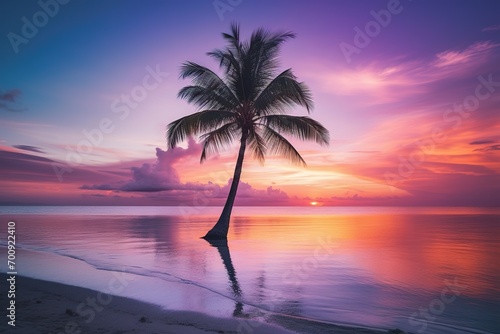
x=409, y=90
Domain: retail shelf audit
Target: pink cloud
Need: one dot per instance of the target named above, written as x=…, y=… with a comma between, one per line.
x=30, y=179
x=473, y=53
x=489, y=148
x=247, y=192
x=381, y=83
x=162, y=177
x=442, y=174
x=430, y=183
x=459, y=166
x=159, y=176
x=493, y=27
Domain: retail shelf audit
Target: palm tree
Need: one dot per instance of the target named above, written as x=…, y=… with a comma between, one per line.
x=249, y=104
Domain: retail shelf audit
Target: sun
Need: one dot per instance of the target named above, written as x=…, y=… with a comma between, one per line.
x=314, y=203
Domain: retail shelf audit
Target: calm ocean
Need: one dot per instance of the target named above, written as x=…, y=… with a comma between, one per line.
x=432, y=270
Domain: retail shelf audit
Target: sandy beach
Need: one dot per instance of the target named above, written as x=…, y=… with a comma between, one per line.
x=48, y=307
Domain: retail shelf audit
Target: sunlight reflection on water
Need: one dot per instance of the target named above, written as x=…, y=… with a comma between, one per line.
x=367, y=266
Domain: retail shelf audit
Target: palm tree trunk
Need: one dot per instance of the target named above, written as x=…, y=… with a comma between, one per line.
x=220, y=229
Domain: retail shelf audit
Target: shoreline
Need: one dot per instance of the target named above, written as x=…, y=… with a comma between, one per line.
x=49, y=307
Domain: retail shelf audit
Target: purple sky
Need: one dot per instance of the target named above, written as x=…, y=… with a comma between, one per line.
x=410, y=91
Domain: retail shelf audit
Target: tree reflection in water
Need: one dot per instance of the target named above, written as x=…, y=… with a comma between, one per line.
x=225, y=255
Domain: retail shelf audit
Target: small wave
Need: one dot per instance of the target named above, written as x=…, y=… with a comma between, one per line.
x=444, y=327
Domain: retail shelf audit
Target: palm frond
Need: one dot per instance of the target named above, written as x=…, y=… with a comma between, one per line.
x=257, y=145
x=199, y=122
x=205, y=98
x=302, y=127
x=234, y=37
x=280, y=146
x=262, y=53
x=283, y=91
x=217, y=139
x=206, y=78
x=227, y=60
x=264, y=48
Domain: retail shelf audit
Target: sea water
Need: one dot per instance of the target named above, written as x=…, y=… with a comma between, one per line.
x=431, y=270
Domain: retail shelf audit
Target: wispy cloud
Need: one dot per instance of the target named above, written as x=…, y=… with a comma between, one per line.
x=29, y=148
x=473, y=53
x=493, y=27
x=383, y=82
x=432, y=182
x=8, y=100
x=10, y=96
x=21, y=168
x=489, y=148
x=481, y=142
x=372, y=81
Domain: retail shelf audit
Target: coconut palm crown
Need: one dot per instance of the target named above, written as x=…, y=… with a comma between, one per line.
x=247, y=104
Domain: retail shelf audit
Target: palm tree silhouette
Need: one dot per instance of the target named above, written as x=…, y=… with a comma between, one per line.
x=248, y=104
